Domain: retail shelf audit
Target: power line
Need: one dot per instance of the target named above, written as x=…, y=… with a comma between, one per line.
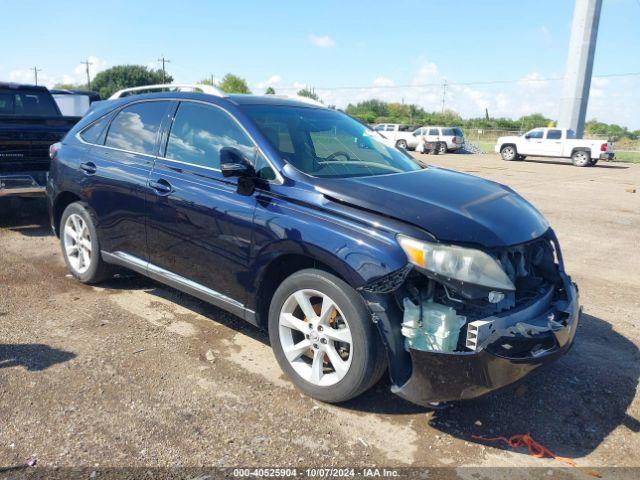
x=480, y=82
x=86, y=63
x=35, y=73
x=163, y=60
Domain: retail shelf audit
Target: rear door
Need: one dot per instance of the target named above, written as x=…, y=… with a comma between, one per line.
x=116, y=173
x=553, y=143
x=199, y=227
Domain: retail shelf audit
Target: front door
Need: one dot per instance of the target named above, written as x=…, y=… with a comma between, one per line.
x=199, y=228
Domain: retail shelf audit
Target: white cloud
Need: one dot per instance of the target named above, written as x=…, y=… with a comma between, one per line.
x=383, y=82
x=533, y=80
x=45, y=77
x=323, y=41
x=427, y=73
x=272, y=81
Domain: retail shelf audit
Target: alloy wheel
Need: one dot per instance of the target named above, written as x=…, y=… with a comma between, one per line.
x=315, y=337
x=77, y=243
x=508, y=153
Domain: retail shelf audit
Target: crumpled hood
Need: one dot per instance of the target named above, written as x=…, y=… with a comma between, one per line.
x=454, y=207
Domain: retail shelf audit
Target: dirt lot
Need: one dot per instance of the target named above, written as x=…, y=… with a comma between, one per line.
x=133, y=373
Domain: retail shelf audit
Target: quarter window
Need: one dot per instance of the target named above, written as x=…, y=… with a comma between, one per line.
x=95, y=133
x=136, y=127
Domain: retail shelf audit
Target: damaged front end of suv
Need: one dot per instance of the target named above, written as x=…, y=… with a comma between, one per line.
x=459, y=322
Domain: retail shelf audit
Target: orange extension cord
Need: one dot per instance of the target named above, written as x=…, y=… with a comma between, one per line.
x=535, y=449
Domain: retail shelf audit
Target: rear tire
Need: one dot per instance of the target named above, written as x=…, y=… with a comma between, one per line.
x=581, y=158
x=442, y=148
x=80, y=245
x=509, y=153
x=401, y=144
x=306, y=345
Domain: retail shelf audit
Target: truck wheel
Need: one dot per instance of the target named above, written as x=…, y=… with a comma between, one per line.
x=508, y=153
x=323, y=337
x=442, y=148
x=581, y=158
x=80, y=245
x=401, y=144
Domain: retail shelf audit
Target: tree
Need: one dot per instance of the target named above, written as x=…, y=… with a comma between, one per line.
x=269, y=91
x=115, y=78
x=305, y=92
x=231, y=83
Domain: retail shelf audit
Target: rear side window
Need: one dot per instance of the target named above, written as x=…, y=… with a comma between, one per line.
x=135, y=128
x=96, y=132
x=200, y=131
x=27, y=104
x=448, y=132
x=554, y=134
x=433, y=131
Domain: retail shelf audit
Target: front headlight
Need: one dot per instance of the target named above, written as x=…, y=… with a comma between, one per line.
x=464, y=264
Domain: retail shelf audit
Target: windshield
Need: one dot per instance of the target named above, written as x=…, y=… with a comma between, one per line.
x=327, y=143
x=27, y=103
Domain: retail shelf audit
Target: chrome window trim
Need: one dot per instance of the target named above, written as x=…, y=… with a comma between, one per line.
x=279, y=180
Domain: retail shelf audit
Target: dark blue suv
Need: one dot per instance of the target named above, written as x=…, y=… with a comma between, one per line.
x=303, y=221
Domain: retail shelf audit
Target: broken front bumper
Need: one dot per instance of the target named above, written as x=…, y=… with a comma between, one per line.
x=441, y=377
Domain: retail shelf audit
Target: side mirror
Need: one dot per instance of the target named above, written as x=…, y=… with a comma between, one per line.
x=234, y=164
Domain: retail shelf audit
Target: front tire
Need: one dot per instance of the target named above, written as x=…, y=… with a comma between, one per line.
x=80, y=245
x=581, y=158
x=323, y=338
x=509, y=153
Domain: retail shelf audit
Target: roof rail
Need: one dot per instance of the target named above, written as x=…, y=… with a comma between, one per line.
x=301, y=98
x=208, y=89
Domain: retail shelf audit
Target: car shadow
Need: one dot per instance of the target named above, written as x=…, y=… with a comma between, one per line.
x=27, y=216
x=569, y=164
x=32, y=356
x=570, y=406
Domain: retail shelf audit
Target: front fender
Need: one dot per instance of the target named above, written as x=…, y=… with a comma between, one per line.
x=357, y=251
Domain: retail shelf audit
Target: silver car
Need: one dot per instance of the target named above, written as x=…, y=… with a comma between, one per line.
x=440, y=139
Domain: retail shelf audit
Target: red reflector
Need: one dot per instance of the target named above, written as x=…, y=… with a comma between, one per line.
x=53, y=149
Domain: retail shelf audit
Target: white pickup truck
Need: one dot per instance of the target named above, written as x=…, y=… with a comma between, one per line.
x=554, y=142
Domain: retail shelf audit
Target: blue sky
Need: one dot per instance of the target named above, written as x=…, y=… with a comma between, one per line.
x=372, y=44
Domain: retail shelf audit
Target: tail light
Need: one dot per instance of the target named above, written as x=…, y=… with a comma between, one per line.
x=603, y=147
x=53, y=150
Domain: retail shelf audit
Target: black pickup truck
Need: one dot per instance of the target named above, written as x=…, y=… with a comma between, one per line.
x=30, y=121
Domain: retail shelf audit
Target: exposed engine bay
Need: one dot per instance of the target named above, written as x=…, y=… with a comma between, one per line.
x=441, y=314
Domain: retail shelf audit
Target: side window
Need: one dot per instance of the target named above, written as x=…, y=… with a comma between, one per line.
x=95, y=133
x=390, y=128
x=135, y=128
x=200, y=131
x=554, y=134
x=433, y=131
x=379, y=128
x=535, y=134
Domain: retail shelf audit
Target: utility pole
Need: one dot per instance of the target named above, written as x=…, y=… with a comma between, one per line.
x=212, y=82
x=86, y=63
x=444, y=92
x=577, y=77
x=35, y=73
x=163, y=60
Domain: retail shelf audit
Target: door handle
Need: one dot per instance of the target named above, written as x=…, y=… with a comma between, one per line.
x=88, y=167
x=162, y=187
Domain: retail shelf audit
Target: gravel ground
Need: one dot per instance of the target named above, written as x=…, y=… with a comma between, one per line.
x=132, y=373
